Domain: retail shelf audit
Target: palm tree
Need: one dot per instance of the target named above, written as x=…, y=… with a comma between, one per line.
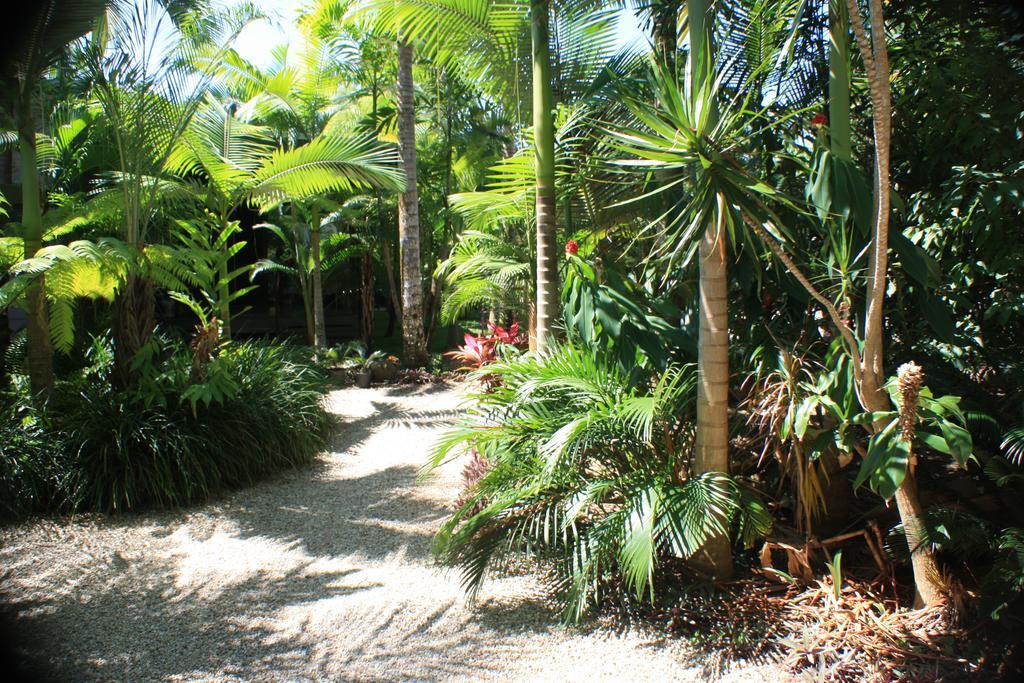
x=298, y=98
x=685, y=136
x=482, y=41
x=33, y=40
x=544, y=161
x=873, y=49
x=148, y=90
x=241, y=163
x=414, y=347
x=307, y=262
x=712, y=447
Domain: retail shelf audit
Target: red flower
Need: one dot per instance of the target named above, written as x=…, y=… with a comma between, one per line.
x=819, y=120
x=571, y=247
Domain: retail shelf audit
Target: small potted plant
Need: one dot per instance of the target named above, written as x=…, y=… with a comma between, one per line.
x=362, y=362
x=335, y=360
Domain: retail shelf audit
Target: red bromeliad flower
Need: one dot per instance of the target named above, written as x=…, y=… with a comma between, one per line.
x=571, y=247
x=819, y=120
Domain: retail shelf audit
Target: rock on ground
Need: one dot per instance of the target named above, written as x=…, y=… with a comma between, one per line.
x=321, y=573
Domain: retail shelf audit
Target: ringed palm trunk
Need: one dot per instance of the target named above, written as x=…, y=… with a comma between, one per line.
x=414, y=350
x=712, y=446
x=544, y=160
x=40, y=350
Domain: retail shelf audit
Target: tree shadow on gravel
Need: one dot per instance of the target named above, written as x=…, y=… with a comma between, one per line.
x=354, y=432
x=404, y=390
x=147, y=618
x=373, y=516
x=137, y=624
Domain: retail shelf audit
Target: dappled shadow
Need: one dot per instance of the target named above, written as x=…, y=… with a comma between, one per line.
x=321, y=573
x=353, y=432
x=139, y=620
x=374, y=516
x=403, y=390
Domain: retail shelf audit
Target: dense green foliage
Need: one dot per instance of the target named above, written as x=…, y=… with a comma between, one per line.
x=168, y=442
x=589, y=473
x=873, y=350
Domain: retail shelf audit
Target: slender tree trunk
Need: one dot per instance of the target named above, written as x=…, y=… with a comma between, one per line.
x=414, y=350
x=665, y=36
x=223, y=294
x=319, y=324
x=544, y=160
x=367, y=303
x=40, y=350
x=712, y=446
x=927, y=588
x=436, y=286
x=224, y=290
x=134, y=322
x=665, y=32
x=389, y=272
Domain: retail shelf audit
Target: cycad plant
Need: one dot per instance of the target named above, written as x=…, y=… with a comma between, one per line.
x=589, y=473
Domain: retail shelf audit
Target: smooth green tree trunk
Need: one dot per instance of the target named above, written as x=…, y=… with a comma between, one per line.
x=544, y=160
x=839, y=81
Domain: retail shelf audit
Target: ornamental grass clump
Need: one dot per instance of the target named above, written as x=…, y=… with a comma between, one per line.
x=175, y=438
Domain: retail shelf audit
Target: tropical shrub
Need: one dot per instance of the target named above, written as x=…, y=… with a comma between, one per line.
x=589, y=473
x=482, y=349
x=173, y=439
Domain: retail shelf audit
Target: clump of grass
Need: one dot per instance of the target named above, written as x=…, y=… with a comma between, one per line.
x=96, y=447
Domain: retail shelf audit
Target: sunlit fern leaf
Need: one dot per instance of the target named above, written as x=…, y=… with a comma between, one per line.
x=326, y=165
x=1013, y=444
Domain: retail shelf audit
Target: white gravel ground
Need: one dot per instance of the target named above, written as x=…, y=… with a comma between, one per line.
x=319, y=574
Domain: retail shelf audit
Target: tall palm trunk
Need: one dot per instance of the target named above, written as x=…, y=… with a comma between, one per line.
x=927, y=586
x=665, y=36
x=414, y=350
x=395, y=309
x=544, y=160
x=319, y=323
x=40, y=350
x=712, y=447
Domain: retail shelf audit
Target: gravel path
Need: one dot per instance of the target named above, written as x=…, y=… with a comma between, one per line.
x=319, y=574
